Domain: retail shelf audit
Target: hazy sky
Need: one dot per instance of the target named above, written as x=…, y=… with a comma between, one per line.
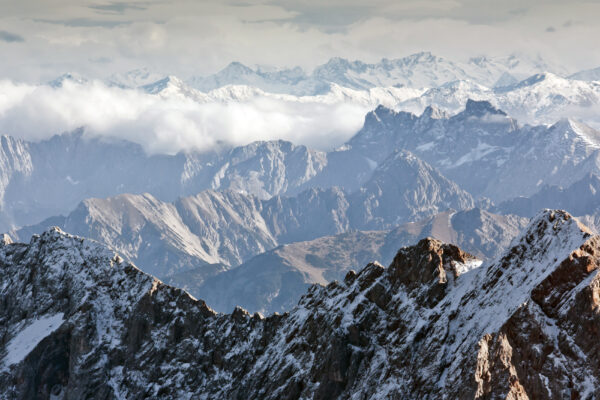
x=42, y=39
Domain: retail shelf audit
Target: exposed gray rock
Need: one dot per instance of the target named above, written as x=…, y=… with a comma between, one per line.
x=51, y=177
x=404, y=188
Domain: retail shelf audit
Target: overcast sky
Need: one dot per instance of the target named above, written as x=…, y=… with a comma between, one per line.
x=40, y=39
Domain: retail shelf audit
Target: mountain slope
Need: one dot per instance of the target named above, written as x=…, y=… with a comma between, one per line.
x=212, y=231
x=405, y=188
x=208, y=232
x=432, y=325
x=274, y=281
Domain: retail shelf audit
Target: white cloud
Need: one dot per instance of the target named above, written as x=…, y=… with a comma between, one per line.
x=171, y=124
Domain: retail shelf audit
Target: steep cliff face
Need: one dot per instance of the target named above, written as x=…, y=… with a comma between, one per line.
x=77, y=322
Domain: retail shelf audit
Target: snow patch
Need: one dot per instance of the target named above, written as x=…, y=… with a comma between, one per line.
x=26, y=340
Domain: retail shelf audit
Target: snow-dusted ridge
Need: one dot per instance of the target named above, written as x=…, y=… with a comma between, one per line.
x=425, y=327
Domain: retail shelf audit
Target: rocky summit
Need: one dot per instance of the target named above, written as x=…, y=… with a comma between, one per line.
x=76, y=321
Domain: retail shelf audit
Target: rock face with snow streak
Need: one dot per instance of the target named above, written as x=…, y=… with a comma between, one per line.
x=434, y=324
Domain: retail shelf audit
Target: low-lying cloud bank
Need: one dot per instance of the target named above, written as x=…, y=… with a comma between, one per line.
x=175, y=117
x=168, y=124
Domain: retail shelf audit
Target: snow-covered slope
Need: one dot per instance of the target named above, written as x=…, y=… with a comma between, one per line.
x=434, y=324
x=543, y=97
x=540, y=99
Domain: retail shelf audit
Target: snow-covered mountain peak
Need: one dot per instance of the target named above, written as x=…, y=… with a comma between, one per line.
x=548, y=240
x=134, y=78
x=544, y=81
x=163, y=84
x=172, y=86
x=236, y=68
x=69, y=77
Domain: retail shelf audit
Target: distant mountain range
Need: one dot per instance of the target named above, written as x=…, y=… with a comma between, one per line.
x=529, y=89
x=418, y=70
x=275, y=280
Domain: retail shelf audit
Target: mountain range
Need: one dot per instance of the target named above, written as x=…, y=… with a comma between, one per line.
x=484, y=296
x=79, y=322
x=478, y=149
x=222, y=240
x=417, y=71
x=540, y=98
x=275, y=280
x=218, y=230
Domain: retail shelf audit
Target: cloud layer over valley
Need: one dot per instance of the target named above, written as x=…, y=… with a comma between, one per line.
x=168, y=124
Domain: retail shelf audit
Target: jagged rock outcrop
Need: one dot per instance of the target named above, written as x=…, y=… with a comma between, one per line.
x=405, y=188
x=78, y=322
